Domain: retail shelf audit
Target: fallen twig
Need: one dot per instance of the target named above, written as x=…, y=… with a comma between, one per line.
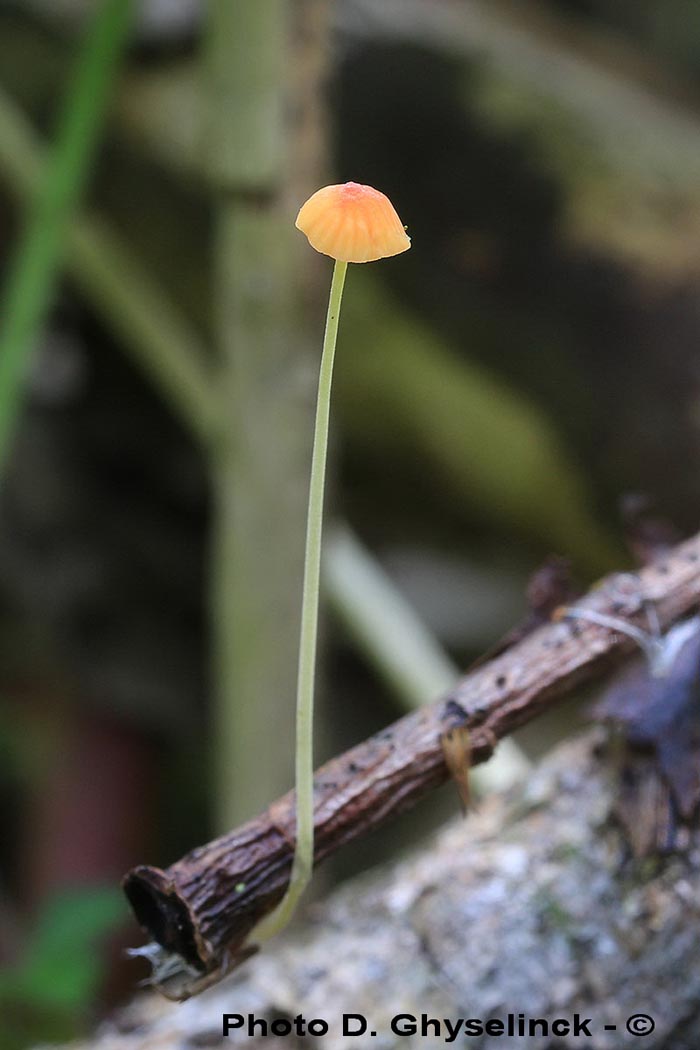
x=202, y=909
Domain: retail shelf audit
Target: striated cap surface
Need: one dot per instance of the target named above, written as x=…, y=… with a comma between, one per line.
x=352, y=223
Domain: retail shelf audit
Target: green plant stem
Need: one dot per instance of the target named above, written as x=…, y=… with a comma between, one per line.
x=151, y=327
x=265, y=383
x=385, y=627
x=39, y=255
x=304, y=758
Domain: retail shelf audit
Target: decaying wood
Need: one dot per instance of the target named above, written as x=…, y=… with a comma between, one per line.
x=531, y=905
x=202, y=909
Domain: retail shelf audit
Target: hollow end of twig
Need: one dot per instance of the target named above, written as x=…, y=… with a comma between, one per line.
x=163, y=914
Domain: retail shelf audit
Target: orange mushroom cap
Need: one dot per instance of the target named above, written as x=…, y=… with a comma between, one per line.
x=352, y=223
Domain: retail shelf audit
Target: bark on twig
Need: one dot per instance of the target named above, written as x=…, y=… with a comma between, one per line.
x=202, y=909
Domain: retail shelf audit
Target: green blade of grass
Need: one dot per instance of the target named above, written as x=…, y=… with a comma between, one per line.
x=35, y=267
x=123, y=292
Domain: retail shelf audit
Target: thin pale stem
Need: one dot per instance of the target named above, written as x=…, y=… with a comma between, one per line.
x=304, y=848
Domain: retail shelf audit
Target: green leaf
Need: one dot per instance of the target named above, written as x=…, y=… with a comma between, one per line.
x=62, y=966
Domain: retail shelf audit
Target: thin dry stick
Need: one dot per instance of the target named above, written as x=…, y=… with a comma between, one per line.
x=202, y=909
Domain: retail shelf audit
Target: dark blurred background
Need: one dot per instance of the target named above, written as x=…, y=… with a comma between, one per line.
x=504, y=391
